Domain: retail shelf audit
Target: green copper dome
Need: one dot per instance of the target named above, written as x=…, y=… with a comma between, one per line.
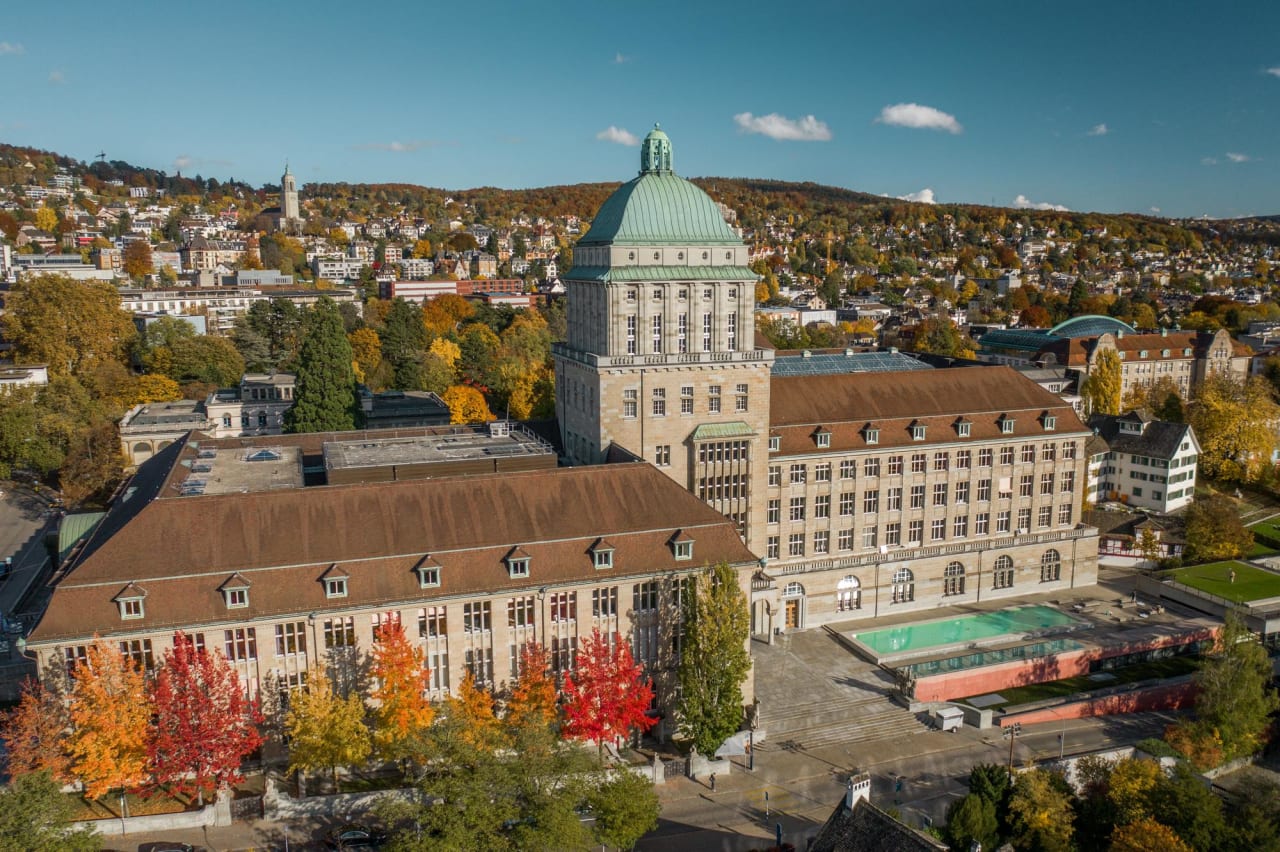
x=659, y=207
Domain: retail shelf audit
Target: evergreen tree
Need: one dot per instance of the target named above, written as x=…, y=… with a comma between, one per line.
x=713, y=659
x=403, y=339
x=325, y=399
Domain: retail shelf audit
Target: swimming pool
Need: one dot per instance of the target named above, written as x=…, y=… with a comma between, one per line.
x=963, y=630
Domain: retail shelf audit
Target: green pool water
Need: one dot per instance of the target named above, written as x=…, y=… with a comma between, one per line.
x=967, y=628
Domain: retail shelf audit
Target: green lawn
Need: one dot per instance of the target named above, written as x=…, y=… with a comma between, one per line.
x=1215, y=578
x=1154, y=670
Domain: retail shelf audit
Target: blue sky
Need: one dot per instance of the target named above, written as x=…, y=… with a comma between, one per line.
x=1169, y=107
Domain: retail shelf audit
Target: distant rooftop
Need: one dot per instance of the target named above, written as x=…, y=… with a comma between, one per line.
x=241, y=470
x=464, y=443
x=169, y=414
x=810, y=363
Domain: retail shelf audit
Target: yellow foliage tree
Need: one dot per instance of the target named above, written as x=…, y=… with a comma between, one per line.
x=1130, y=787
x=1147, y=835
x=466, y=405
x=445, y=314
x=366, y=349
x=1101, y=389
x=155, y=388
x=532, y=706
x=325, y=730
x=473, y=710
x=446, y=350
x=422, y=249
x=109, y=718
x=1235, y=422
x=46, y=218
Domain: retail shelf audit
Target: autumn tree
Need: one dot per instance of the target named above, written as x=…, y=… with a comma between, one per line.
x=1147, y=835
x=204, y=724
x=35, y=732
x=325, y=730
x=154, y=388
x=472, y=710
x=1101, y=388
x=401, y=710
x=607, y=696
x=69, y=325
x=532, y=703
x=1233, y=696
x=466, y=405
x=714, y=660
x=938, y=335
x=366, y=352
x=47, y=218
x=1040, y=812
x=1234, y=420
x=35, y=816
x=136, y=259
x=1130, y=787
x=93, y=464
x=445, y=314
x=109, y=721
x=1215, y=531
x=325, y=399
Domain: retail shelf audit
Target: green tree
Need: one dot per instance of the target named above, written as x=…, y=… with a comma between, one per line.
x=69, y=325
x=1214, y=530
x=1040, y=812
x=626, y=809
x=1101, y=388
x=279, y=323
x=1235, y=422
x=325, y=399
x=403, y=339
x=325, y=730
x=1233, y=695
x=1183, y=802
x=971, y=819
x=35, y=816
x=714, y=660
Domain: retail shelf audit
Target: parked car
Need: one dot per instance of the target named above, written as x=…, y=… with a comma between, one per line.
x=169, y=846
x=352, y=836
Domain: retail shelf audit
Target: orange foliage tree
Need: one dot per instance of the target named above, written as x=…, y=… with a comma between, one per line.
x=466, y=405
x=607, y=696
x=532, y=705
x=399, y=673
x=1147, y=835
x=109, y=721
x=446, y=313
x=35, y=732
x=472, y=710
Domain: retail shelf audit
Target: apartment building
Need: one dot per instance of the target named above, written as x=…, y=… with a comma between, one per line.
x=1147, y=463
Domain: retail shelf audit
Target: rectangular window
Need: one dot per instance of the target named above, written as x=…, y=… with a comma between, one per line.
x=686, y=399
x=1028, y=453
x=1046, y=484
x=240, y=644
x=962, y=492
x=984, y=458
x=631, y=334
x=939, y=493
x=895, y=465
x=775, y=512
x=1069, y=450
x=871, y=467
x=713, y=399
x=772, y=547
x=340, y=632
x=706, y=332
x=869, y=539
x=682, y=333
x=432, y=622
x=604, y=602
x=775, y=475
x=644, y=597
x=1006, y=455
x=799, y=473
x=477, y=617
x=521, y=611
x=1026, y=485
x=732, y=333
x=918, y=462
x=132, y=607
x=291, y=638
x=845, y=539
x=630, y=402
x=740, y=398
x=893, y=500
x=1064, y=515
x=662, y=455
x=822, y=472
x=846, y=503
x=938, y=530
x=941, y=461
x=960, y=526
x=659, y=402
x=917, y=497
x=963, y=457
x=657, y=332
x=871, y=502
x=1002, y=522
x=1068, y=481
x=915, y=532
x=893, y=533
x=795, y=544
x=138, y=653
x=821, y=541
x=479, y=662
x=1048, y=452
x=847, y=468
x=1044, y=517
x=984, y=490
x=1024, y=520
x=981, y=523
x=797, y=509
x=335, y=587
x=822, y=506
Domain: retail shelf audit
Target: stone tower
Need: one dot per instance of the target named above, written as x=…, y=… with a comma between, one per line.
x=661, y=358
x=290, y=213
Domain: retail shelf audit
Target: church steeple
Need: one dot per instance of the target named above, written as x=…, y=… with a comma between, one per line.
x=655, y=153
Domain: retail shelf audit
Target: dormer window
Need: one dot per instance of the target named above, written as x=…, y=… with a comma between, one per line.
x=1050, y=422
x=602, y=554
x=822, y=438
x=517, y=564
x=131, y=601
x=1164, y=353
x=1142, y=354
x=681, y=546
x=1122, y=354
x=917, y=431
x=1006, y=425
x=335, y=587
x=871, y=434
x=964, y=428
x=235, y=592
x=1186, y=353
x=428, y=571
x=775, y=443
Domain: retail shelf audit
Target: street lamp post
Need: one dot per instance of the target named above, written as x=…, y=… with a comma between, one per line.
x=1011, y=734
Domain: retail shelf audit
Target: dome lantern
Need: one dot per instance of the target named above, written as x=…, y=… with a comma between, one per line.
x=655, y=153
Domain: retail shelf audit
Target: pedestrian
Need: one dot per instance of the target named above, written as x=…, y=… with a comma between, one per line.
x=713, y=782
x=1233, y=575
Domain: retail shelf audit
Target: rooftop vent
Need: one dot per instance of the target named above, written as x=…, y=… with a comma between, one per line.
x=263, y=455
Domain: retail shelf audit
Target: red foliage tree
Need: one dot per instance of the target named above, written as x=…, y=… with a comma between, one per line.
x=204, y=724
x=608, y=694
x=35, y=732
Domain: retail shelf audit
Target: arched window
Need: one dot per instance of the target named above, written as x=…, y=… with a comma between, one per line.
x=1003, y=573
x=904, y=586
x=848, y=594
x=793, y=590
x=1050, y=566
x=953, y=579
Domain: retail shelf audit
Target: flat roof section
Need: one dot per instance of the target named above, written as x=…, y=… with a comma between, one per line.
x=462, y=444
x=241, y=470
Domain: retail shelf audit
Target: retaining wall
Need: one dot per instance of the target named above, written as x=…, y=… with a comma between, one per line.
x=1172, y=696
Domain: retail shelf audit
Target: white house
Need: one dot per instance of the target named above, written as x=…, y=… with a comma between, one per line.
x=1149, y=464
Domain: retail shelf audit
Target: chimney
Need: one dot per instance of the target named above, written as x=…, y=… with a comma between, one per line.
x=858, y=788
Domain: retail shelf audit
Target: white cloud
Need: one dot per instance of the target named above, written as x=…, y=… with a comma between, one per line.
x=919, y=116
x=924, y=196
x=619, y=59
x=185, y=162
x=182, y=161
x=1237, y=158
x=806, y=129
x=1155, y=209
x=1099, y=130
x=57, y=77
x=1208, y=161
x=1274, y=72
x=11, y=48
x=620, y=135
x=398, y=147
x=1024, y=203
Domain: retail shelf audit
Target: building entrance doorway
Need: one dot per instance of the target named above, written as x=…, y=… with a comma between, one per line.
x=792, y=614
